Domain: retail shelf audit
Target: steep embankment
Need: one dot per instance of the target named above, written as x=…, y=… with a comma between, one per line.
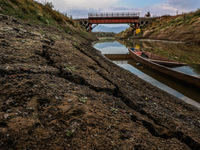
x=58, y=92
x=34, y=11
x=184, y=27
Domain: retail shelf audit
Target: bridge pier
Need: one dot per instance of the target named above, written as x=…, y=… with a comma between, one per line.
x=137, y=25
x=114, y=18
x=90, y=27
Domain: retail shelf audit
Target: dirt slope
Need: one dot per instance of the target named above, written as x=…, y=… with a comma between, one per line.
x=184, y=27
x=57, y=92
x=175, y=29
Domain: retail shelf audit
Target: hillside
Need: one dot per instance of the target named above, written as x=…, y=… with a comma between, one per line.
x=58, y=92
x=101, y=28
x=32, y=10
x=185, y=27
x=104, y=34
x=44, y=15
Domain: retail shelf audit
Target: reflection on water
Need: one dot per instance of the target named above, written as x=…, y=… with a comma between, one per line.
x=191, y=70
x=111, y=48
x=186, y=53
x=177, y=89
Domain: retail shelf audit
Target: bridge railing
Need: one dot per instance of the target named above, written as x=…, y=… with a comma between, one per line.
x=116, y=14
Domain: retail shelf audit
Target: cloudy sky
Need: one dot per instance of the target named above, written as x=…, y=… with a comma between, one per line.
x=81, y=8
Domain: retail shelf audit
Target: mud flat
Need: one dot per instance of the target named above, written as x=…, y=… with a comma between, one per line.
x=58, y=92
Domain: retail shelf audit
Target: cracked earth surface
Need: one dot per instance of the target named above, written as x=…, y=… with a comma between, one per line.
x=58, y=92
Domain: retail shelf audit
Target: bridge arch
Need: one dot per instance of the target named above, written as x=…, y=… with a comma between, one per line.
x=114, y=18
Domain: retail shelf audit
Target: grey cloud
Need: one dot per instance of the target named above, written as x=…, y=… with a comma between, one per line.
x=184, y=4
x=168, y=7
x=119, y=8
x=76, y=13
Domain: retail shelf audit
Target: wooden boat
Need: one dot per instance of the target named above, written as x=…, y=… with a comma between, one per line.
x=162, y=65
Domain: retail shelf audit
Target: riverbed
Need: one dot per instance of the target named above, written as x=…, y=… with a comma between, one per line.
x=117, y=51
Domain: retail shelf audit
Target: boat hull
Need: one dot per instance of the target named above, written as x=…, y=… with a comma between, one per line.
x=185, y=78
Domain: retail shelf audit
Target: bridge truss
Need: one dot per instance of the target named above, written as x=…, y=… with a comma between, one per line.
x=113, y=18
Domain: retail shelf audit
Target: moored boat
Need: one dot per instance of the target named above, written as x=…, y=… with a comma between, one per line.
x=162, y=65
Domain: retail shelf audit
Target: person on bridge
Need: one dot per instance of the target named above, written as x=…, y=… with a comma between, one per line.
x=148, y=14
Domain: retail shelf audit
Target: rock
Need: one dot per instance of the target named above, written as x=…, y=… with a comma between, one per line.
x=14, y=20
x=2, y=35
x=10, y=102
x=16, y=29
x=6, y=116
x=1, y=18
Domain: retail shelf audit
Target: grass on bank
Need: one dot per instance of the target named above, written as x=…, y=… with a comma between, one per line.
x=165, y=22
x=104, y=36
x=105, y=39
x=43, y=14
x=33, y=10
x=175, y=21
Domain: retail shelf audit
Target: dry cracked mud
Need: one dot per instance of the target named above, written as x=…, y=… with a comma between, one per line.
x=58, y=92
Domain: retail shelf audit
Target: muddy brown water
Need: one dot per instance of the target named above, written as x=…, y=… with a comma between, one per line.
x=117, y=51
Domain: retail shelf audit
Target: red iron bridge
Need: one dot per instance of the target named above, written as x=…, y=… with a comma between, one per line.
x=113, y=18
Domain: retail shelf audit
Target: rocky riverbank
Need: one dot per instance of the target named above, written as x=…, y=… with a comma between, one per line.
x=58, y=92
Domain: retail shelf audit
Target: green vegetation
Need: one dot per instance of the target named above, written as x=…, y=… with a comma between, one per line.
x=83, y=99
x=197, y=13
x=165, y=23
x=104, y=34
x=35, y=12
x=105, y=39
x=175, y=21
x=125, y=34
x=32, y=10
x=187, y=53
x=70, y=68
x=114, y=110
x=69, y=133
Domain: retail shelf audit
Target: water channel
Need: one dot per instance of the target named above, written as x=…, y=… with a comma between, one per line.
x=117, y=51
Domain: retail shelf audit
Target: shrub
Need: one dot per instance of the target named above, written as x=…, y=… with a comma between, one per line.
x=49, y=4
x=197, y=13
x=71, y=22
x=33, y=10
x=187, y=16
x=15, y=1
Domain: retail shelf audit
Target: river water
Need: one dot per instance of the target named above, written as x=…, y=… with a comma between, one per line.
x=118, y=53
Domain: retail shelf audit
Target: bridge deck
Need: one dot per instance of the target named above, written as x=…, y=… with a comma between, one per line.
x=109, y=18
x=114, y=15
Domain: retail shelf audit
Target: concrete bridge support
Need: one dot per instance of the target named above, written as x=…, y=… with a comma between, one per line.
x=90, y=27
x=114, y=18
x=145, y=21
